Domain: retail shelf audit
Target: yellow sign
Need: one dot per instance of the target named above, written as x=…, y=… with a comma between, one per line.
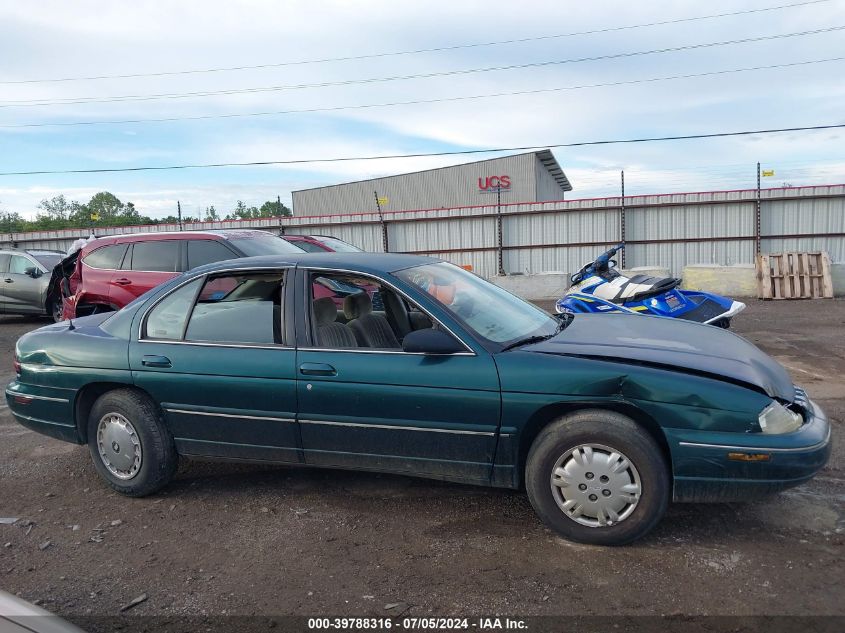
x=95, y=217
x=768, y=173
x=382, y=201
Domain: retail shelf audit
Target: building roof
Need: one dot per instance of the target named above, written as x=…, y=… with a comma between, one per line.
x=545, y=156
x=550, y=163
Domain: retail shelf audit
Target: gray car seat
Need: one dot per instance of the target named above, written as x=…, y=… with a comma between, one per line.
x=371, y=330
x=328, y=332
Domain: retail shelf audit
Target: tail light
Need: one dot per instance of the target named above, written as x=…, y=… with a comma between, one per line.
x=17, y=365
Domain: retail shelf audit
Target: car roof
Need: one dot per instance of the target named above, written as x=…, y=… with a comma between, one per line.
x=373, y=263
x=124, y=238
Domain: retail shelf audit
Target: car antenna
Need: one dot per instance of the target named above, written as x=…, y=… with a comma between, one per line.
x=70, y=326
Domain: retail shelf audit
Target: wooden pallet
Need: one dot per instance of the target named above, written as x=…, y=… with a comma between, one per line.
x=794, y=276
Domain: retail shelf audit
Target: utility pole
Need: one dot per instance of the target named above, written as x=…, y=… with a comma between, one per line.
x=622, y=220
x=384, y=242
x=499, y=249
x=179, y=213
x=757, y=215
x=279, y=209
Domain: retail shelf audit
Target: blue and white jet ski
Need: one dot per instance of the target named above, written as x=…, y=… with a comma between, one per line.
x=600, y=287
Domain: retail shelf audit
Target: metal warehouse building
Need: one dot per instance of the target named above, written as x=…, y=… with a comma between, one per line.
x=530, y=177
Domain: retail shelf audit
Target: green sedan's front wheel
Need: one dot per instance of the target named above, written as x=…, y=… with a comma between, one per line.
x=131, y=447
x=597, y=477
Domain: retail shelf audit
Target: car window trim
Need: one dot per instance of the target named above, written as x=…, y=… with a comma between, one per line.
x=204, y=276
x=310, y=330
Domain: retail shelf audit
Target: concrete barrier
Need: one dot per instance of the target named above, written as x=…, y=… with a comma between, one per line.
x=538, y=287
x=739, y=280
x=651, y=271
x=837, y=275
x=731, y=281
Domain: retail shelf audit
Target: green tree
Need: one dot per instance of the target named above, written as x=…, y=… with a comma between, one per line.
x=56, y=208
x=12, y=222
x=107, y=205
x=273, y=208
x=211, y=214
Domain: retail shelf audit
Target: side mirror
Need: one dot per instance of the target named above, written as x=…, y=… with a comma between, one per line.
x=33, y=272
x=65, y=286
x=430, y=341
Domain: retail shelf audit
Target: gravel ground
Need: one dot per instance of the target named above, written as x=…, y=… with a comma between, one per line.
x=251, y=540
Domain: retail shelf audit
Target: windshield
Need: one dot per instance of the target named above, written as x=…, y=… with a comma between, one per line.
x=48, y=260
x=339, y=245
x=265, y=244
x=489, y=311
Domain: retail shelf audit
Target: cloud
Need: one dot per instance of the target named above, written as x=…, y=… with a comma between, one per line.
x=57, y=39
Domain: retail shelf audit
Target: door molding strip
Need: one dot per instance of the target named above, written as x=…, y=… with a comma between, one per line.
x=230, y=415
x=393, y=427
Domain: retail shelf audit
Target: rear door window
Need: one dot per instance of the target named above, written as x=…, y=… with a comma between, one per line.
x=4, y=262
x=107, y=257
x=160, y=256
x=241, y=308
x=202, y=252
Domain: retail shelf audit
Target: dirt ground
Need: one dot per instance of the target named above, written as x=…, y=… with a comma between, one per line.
x=234, y=539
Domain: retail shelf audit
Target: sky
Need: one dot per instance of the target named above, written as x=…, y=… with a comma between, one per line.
x=49, y=40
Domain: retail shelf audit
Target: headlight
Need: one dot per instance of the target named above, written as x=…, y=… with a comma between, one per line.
x=776, y=419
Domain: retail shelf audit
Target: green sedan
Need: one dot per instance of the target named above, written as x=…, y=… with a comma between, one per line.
x=411, y=365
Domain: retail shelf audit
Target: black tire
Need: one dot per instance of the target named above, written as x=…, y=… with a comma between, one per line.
x=158, y=457
x=54, y=309
x=605, y=429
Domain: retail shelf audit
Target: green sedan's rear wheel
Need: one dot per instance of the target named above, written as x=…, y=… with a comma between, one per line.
x=129, y=443
x=597, y=477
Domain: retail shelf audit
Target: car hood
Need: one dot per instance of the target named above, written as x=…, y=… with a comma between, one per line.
x=662, y=342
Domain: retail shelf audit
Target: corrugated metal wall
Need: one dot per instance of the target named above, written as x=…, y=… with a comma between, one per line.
x=671, y=230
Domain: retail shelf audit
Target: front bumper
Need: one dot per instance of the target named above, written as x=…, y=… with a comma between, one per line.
x=703, y=472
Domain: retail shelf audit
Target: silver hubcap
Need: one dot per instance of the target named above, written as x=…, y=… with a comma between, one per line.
x=119, y=446
x=595, y=485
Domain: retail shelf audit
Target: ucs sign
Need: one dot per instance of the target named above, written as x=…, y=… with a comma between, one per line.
x=491, y=184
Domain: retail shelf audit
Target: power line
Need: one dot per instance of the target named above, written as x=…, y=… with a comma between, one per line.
x=426, y=101
x=348, y=82
x=421, y=50
x=429, y=154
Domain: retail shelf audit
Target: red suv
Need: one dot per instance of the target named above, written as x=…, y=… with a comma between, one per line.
x=112, y=271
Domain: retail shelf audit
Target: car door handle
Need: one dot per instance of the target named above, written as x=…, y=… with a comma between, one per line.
x=317, y=369
x=123, y=281
x=9, y=281
x=156, y=361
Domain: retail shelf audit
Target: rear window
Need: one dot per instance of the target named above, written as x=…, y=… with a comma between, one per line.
x=47, y=260
x=202, y=252
x=161, y=256
x=263, y=245
x=339, y=245
x=309, y=247
x=108, y=257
